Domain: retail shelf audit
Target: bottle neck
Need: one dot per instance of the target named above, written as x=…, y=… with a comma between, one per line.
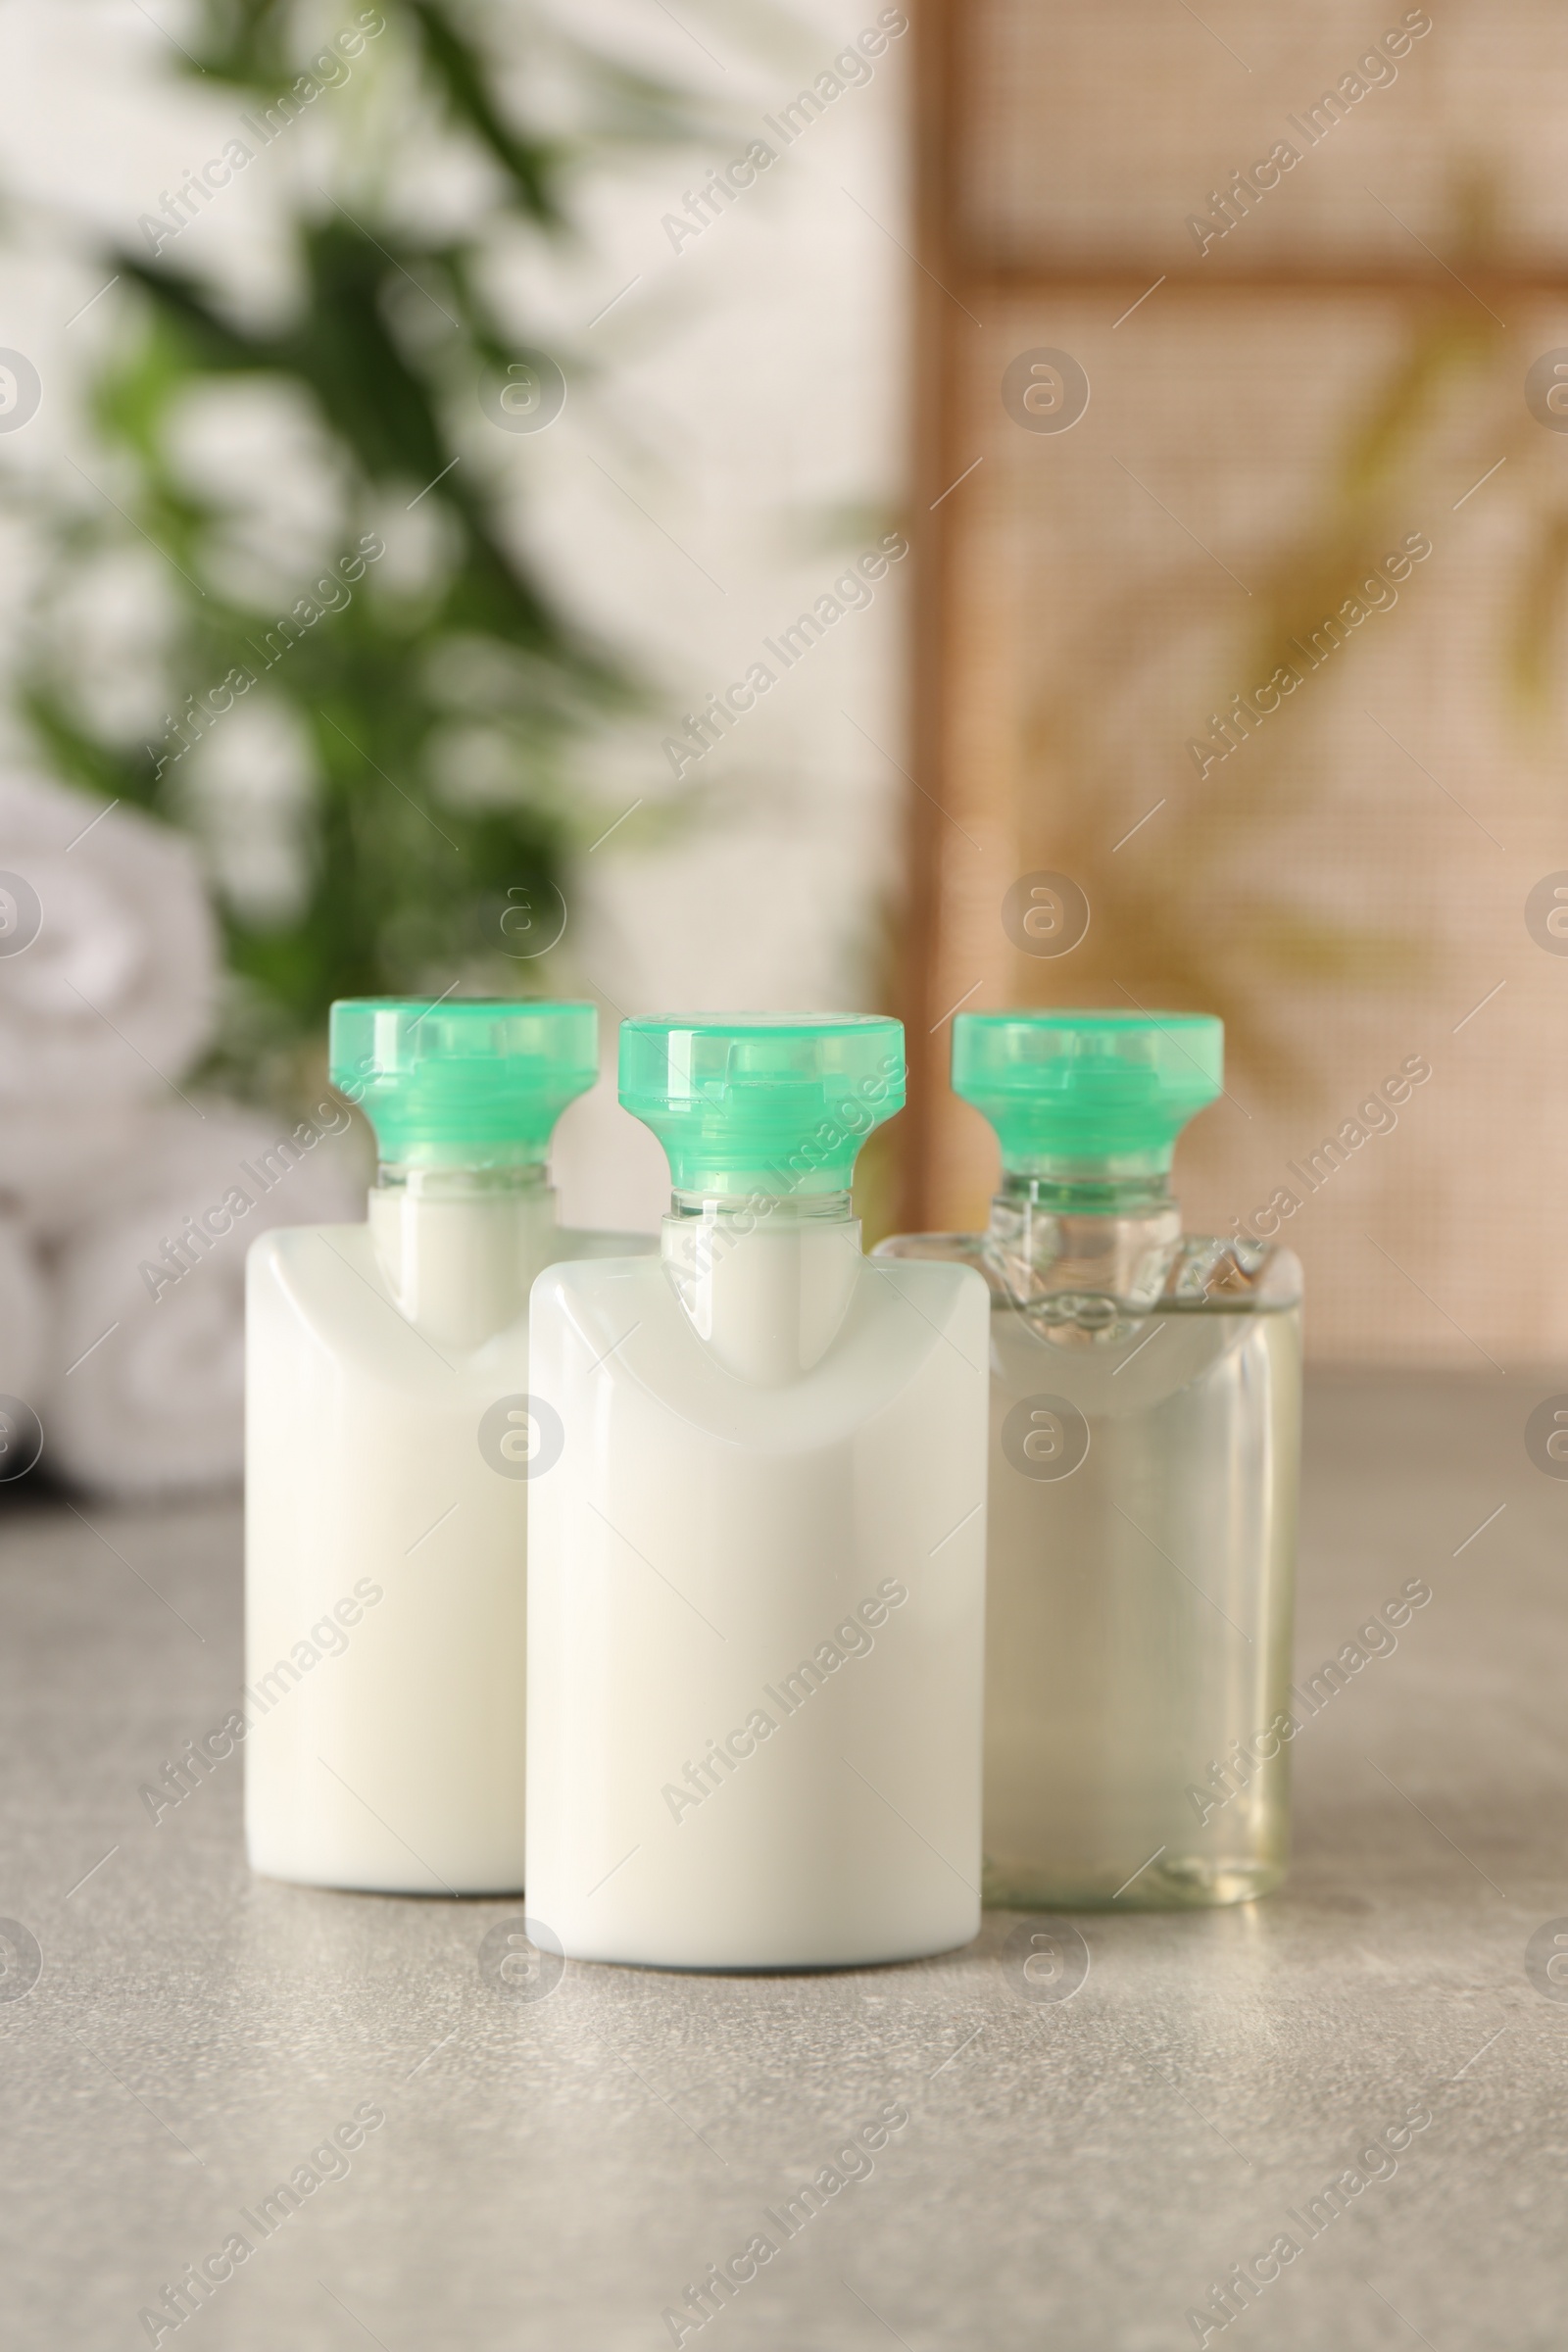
x=461, y=1243
x=764, y=1279
x=1136, y=1185
x=1096, y=1229
x=772, y=1209
x=461, y=1179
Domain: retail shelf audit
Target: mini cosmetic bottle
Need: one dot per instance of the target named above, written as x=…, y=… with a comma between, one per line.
x=757, y=1579
x=1145, y=1437
x=390, y=1444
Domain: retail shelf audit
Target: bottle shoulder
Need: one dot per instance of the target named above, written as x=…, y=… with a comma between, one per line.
x=291, y=1250
x=599, y=1276
x=934, y=1280
x=946, y=1248
x=579, y=1241
x=1220, y=1272
x=324, y=1295
x=297, y=1246
x=643, y=1321
x=1203, y=1274
x=596, y=1277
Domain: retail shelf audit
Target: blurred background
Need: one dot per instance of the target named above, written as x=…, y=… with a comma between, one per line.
x=1111, y=467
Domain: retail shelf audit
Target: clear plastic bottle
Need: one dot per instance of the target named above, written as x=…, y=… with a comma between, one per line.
x=756, y=1572
x=390, y=1442
x=1144, y=1440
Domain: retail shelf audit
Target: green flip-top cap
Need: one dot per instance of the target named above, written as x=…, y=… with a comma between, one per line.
x=1088, y=1092
x=762, y=1102
x=477, y=1081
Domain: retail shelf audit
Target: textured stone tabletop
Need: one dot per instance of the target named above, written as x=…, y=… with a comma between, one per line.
x=560, y=2171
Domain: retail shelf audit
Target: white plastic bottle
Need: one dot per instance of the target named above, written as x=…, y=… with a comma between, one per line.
x=390, y=1438
x=757, y=1577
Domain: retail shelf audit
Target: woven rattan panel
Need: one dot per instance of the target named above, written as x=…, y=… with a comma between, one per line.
x=1099, y=130
x=1350, y=883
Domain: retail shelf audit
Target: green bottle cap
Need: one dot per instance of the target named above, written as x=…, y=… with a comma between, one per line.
x=473, y=1081
x=762, y=1102
x=1069, y=1092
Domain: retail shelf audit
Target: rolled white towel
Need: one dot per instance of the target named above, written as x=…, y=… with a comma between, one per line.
x=60, y=1162
x=145, y=1388
x=22, y=1321
x=108, y=951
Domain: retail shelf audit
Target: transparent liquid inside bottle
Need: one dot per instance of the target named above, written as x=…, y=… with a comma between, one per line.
x=1145, y=1440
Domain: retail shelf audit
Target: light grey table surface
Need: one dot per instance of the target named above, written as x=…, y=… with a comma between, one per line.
x=557, y=2172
